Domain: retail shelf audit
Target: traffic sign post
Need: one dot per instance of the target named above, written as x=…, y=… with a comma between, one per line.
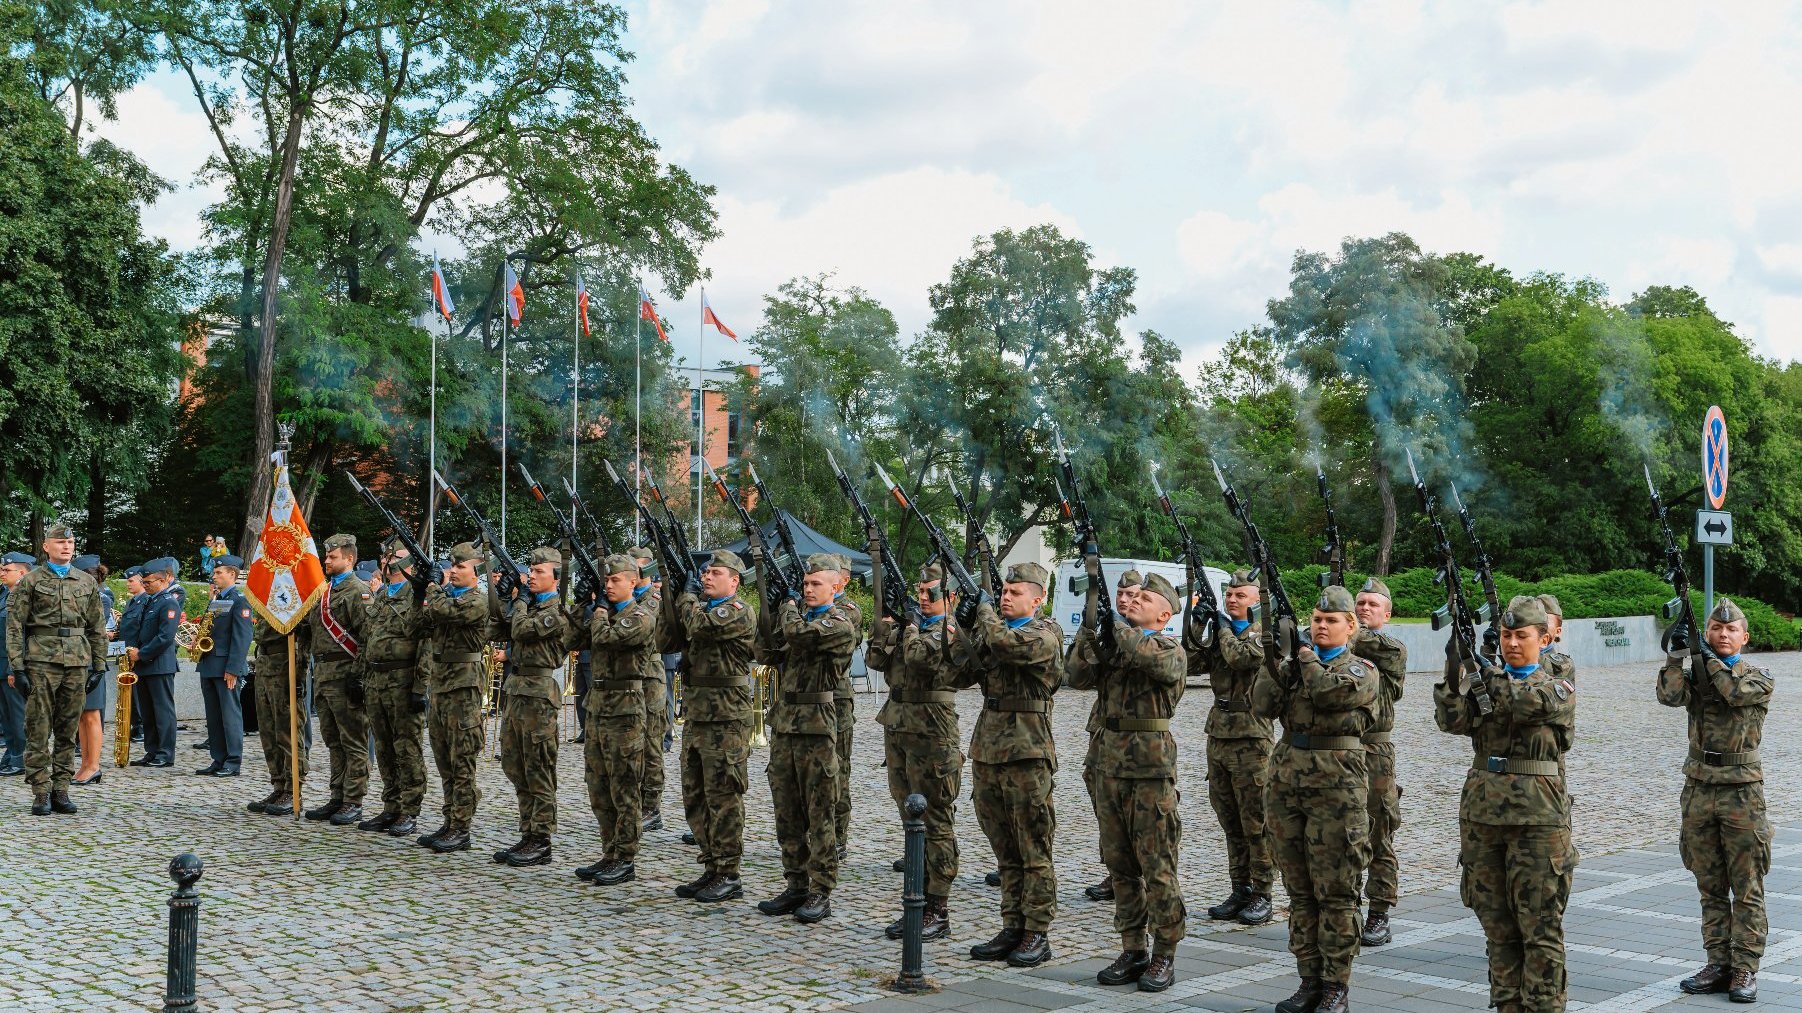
x=1714, y=526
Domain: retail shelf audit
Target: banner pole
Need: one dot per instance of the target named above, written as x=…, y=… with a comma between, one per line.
x=293, y=731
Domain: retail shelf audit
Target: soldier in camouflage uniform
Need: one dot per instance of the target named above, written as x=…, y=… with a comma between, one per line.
x=1382, y=886
x=1319, y=784
x=1239, y=754
x=1137, y=673
x=716, y=633
x=621, y=641
x=1515, y=851
x=1726, y=839
x=271, y=686
x=456, y=618
x=1124, y=589
x=1553, y=657
x=338, y=631
x=846, y=702
x=55, y=628
x=1017, y=659
x=656, y=696
x=538, y=636
x=816, y=638
x=395, y=691
x=919, y=732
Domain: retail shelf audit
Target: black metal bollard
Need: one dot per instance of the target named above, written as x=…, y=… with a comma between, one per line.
x=184, y=935
x=913, y=896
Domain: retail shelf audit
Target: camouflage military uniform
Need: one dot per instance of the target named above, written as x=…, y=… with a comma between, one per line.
x=803, y=770
x=458, y=622
x=1239, y=755
x=538, y=639
x=1019, y=666
x=1515, y=851
x=716, y=734
x=343, y=721
x=1382, y=886
x=656, y=712
x=1726, y=840
x=1133, y=756
x=920, y=735
x=394, y=680
x=272, y=703
x=623, y=651
x=54, y=628
x=1317, y=802
x=845, y=701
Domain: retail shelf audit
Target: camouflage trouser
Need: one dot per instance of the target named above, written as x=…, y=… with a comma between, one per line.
x=1238, y=771
x=1382, y=887
x=613, y=762
x=455, y=723
x=1014, y=808
x=803, y=771
x=344, y=729
x=1516, y=880
x=1141, y=833
x=52, y=709
x=398, y=753
x=656, y=725
x=841, y=804
x=1726, y=842
x=272, y=719
x=715, y=774
x=1322, y=838
x=529, y=759
x=934, y=768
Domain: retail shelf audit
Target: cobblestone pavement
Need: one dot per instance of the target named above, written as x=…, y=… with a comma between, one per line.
x=303, y=916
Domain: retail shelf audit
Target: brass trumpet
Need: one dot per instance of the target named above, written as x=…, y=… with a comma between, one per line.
x=122, y=713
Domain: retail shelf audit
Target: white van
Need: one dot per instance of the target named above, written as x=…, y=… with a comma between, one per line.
x=1067, y=599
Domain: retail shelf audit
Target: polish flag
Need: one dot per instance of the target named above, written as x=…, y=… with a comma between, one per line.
x=441, y=292
x=647, y=311
x=710, y=317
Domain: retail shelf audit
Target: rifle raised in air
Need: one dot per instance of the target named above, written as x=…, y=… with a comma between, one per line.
x=779, y=586
x=795, y=567
x=1456, y=611
x=678, y=567
x=1680, y=611
x=591, y=572
x=600, y=533
x=966, y=584
x=895, y=600
x=1480, y=561
x=1206, y=611
x=508, y=581
x=422, y=563
x=1333, y=552
x=977, y=545
x=1076, y=509
x=1282, y=609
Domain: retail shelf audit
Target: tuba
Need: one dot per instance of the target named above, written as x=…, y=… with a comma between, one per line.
x=122, y=713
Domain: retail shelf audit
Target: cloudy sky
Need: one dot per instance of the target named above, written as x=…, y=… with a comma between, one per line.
x=1204, y=143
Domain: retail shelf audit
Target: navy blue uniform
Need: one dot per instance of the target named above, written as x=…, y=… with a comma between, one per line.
x=156, y=667
x=128, y=633
x=231, y=634
x=12, y=703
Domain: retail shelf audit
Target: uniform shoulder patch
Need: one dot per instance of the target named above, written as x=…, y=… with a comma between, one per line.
x=723, y=612
x=1563, y=688
x=1358, y=669
x=243, y=613
x=170, y=615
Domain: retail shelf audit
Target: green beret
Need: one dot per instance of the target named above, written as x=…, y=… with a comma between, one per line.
x=466, y=552
x=1028, y=573
x=1335, y=599
x=1725, y=611
x=58, y=530
x=1158, y=584
x=544, y=554
x=1524, y=610
x=1131, y=578
x=1242, y=578
x=1550, y=603
x=347, y=543
x=1375, y=586
x=726, y=559
x=619, y=562
x=823, y=562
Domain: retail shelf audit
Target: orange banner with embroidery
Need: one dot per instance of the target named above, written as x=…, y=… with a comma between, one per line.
x=284, y=578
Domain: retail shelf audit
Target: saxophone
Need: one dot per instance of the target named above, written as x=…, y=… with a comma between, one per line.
x=122, y=712
x=203, y=634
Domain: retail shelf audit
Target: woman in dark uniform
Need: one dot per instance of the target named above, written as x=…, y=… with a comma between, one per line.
x=90, y=735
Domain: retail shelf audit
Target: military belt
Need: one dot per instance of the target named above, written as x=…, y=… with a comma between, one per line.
x=922, y=696
x=1233, y=706
x=393, y=666
x=617, y=685
x=57, y=631
x=1138, y=724
x=1511, y=765
x=799, y=698
x=1714, y=759
x=457, y=658
x=1016, y=705
x=1376, y=738
x=1300, y=741
x=536, y=670
x=843, y=695
x=333, y=657
x=715, y=682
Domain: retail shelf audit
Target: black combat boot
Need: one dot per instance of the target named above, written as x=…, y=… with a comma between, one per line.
x=404, y=826
x=1101, y=891
x=724, y=887
x=1000, y=946
x=1334, y=998
x=688, y=837
x=937, y=923
x=452, y=840
x=1160, y=975
x=785, y=902
x=1228, y=909
x=992, y=879
x=1305, y=998
x=1257, y=911
x=40, y=805
x=1376, y=928
x=501, y=856
x=649, y=820
x=534, y=850
x=1125, y=969
x=620, y=871
x=263, y=803
x=347, y=814
x=817, y=907
x=380, y=822
x=281, y=804
x=1034, y=949
x=60, y=802
x=586, y=872
x=432, y=838
x=324, y=812
x=688, y=890
x=900, y=865
x=1710, y=979
x=1744, y=987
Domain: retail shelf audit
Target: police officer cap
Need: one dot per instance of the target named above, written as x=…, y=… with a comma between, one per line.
x=1028, y=573
x=1524, y=610
x=544, y=554
x=86, y=561
x=726, y=559
x=466, y=552
x=1375, y=586
x=1158, y=584
x=1242, y=578
x=824, y=562
x=1725, y=611
x=133, y=571
x=619, y=562
x=161, y=564
x=348, y=543
x=1550, y=603
x=19, y=559
x=1130, y=578
x=1335, y=599
x=58, y=530
x=232, y=561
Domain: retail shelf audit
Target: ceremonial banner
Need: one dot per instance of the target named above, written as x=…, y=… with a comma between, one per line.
x=285, y=577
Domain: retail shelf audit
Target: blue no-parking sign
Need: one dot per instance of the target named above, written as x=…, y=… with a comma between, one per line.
x=1714, y=456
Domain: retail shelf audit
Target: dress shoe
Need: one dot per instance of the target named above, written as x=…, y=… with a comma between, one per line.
x=324, y=812
x=455, y=840
x=649, y=820
x=1034, y=949
x=581, y=737
x=60, y=802
x=227, y=772
x=1125, y=969
x=380, y=822
x=688, y=890
x=91, y=779
x=997, y=948
x=1745, y=985
x=210, y=769
x=432, y=838
x=160, y=762
x=722, y=888
x=817, y=907
x=142, y=761
x=40, y=805
x=403, y=827
x=992, y=879
x=688, y=837
x=348, y=815
x=621, y=871
x=1258, y=911
x=197, y=745
x=11, y=770
x=501, y=856
x=1376, y=929
x=1103, y=890
x=1160, y=975
x=1228, y=909
x=1304, y=1000
x=280, y=804
x=535, y=851
x=1710, y=979
x=783, y=903
x=137, y=736
x=1334, y=998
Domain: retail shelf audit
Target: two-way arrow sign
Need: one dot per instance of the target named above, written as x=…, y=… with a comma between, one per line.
x=1714, y=527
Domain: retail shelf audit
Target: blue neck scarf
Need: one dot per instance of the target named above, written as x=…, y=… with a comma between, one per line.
x=1014, y=624
x=339, y=579
x=817, y=611
x=926, y=621
x=543, y=596
x=1521, y=672
x=1239, y=625
x=1329, y=653
x=640, y=592
x=1730, y=660
x=713, y=603
x=455, y=591
x=60, y=569
x=394, y=588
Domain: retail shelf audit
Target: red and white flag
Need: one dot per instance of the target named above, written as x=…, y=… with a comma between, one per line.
x=285, y=577
x=710, y=317
x=441, y=292
x=582, y=304
x=515, y=296
x=647, y=311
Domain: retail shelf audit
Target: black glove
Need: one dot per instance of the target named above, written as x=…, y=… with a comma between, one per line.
x=22, y=683
x=1452, y=650
x=508, y=584
x=416, y=702
x=353, y=688
x=693, y=584
x=1679, y=643
x=94, y=677
x=1492, y=641
x=967, y=609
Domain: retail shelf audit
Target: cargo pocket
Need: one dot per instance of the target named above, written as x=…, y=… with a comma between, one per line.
x=1466, y=876
x=738, y=769
x=1765, y=836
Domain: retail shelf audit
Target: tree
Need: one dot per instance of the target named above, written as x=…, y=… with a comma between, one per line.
x=84, y=52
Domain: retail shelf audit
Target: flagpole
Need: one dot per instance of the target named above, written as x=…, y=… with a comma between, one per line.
x=506, y=315
x=575, y=387
x=638, y=412
x=700, y=415
x=431, y=495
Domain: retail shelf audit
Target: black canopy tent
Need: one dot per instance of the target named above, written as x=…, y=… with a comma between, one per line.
x=807, y=542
